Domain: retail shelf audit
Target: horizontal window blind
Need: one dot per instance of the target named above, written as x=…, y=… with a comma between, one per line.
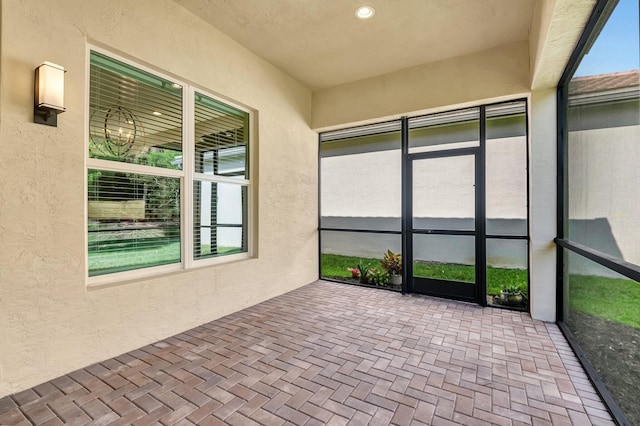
x=136, y=218
x=133, y=221
x=221, y=136
x=132, y=113
x=219, y=219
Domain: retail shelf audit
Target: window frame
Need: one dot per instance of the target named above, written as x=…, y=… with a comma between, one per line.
x=186, y=175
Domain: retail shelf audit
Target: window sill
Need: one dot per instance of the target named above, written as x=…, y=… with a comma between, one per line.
x=122, y=278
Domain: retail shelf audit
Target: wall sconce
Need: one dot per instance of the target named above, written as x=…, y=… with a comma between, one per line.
x=49, y=94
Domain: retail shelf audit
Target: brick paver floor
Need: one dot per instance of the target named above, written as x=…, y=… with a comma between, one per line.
x=332, y=354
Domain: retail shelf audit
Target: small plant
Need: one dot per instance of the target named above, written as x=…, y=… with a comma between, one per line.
x=376, y=277
x=392, y=263
x=512, y=289
x=511, y=295
x=363, y=270
x=355, y=273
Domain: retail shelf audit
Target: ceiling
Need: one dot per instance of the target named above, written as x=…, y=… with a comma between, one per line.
x=322, y=44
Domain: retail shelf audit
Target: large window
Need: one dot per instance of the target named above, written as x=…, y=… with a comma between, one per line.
x=167, y=170
x=600, y=225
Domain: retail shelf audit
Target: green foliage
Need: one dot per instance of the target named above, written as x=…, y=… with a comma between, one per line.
x=392, y=263
x=363, y=269
x=614, y=299
x=512, y=289
x=336, y=266
x=157, y=158
x=377, y=277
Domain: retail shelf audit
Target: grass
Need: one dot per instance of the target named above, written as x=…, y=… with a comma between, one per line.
x=614, y=299
x=163, y=252
x=110, y=261
x=335, y=266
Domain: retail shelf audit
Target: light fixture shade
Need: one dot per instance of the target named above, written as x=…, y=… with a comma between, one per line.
x=50, y=86
x=49, y=93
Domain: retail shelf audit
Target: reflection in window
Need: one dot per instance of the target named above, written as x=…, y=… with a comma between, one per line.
x=133, y=221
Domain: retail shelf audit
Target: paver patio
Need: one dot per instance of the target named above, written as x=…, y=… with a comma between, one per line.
x=332, y=354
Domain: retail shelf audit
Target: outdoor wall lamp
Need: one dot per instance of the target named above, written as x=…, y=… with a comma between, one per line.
x=49, y=94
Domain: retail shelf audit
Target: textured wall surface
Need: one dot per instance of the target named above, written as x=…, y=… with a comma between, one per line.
x=492, y=74
x=543, y=204
x=50, y=323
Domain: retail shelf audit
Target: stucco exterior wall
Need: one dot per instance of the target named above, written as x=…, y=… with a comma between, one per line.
x=603, y=192
x=50, y=322
x=543, y=204
x=499, y=73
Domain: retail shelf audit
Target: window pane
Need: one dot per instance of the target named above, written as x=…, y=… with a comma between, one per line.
x=457, y=129
x=602, y=310
x=507, y=271
x=603, y=121
x=221, y=139
x=506, y=169
x=361, y=182
x=444, y=257
x=134, y=116
x=134, y=221
x=341, y=251
x=444, y=193
x=220, y=219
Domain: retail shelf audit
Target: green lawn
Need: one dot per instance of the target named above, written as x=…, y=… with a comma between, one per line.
x=335, y=266
x=118, y=258
x=614, y=299
x=109, y=261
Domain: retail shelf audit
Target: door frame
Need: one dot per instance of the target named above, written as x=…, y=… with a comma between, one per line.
x=438, y=287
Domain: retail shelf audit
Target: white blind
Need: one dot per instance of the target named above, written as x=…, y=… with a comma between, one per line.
x=221, y=153
x=133, y=221
x=132, y=113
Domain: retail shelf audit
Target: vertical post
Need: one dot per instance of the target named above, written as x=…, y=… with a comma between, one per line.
x=407, y=210
x=481, y=238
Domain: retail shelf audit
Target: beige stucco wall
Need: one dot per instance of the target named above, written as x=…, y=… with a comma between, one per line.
x=50, y=323
x=499, y=73
x=603, y=186
x=543, y=204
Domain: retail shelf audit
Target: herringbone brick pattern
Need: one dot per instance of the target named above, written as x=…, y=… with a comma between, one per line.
x=332, y=354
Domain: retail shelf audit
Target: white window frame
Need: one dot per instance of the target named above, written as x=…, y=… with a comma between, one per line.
x=187, y=177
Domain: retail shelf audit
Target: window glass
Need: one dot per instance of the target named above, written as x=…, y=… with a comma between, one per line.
x=602, y=312
x=444, y=193
x=133, y=221
x=346, y=256
x=220, y=225
x=361, y=182
x=444, y=257
x=603, y=121
x=221, y=135
x=449, y=130
x=600, y=307
x=134, y=197
x=134, y=116
x=506, y=169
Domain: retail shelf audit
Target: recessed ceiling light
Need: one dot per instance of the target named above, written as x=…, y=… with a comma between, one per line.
x=156, y=113
x=365, y=12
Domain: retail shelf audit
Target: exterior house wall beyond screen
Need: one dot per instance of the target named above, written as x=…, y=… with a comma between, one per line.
x=604, y=202
x=50, y=321
x=362, y=191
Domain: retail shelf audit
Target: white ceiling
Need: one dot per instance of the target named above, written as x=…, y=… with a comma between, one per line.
x=322, y=44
